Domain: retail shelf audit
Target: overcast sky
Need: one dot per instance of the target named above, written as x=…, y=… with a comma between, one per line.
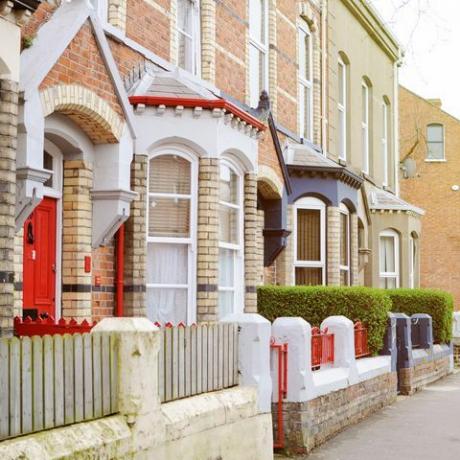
x=429, y=32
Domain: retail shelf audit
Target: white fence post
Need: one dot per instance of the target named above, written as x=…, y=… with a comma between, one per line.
x=344, y=344
x=254, y=354
x=296, y=332
x=138, y=393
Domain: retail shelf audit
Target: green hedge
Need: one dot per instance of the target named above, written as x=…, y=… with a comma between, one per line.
x=436, y=303
x=315, y=303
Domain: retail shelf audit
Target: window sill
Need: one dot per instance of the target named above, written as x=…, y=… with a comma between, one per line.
x=429, y=160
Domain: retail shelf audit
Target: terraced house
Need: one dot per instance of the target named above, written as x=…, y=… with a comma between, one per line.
x=174, y=154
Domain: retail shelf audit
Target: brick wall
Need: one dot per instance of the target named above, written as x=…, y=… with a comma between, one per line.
x=310, y=424
x=103, y=281
x=8, y=144
x=251, y=259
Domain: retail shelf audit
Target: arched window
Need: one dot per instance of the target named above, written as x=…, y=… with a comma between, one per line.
x=435, y=142
x=389, y=259
x=365, y=125
x=258, y=49
x=310, y=241
x=345, y=279
x=305, y=81
x=342, y=108
x=171, y=238
x=230, y=239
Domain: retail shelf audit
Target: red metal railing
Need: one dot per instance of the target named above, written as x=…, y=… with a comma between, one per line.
x=49, y=326
x=361, y=345
x=282, y=350
x=322, y=347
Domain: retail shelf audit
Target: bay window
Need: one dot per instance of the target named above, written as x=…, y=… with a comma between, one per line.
x=344, y=246
x=230, y=239
x=310, y=241
x=171, y=238
x=365, y=127
x=258, y=50
x=188, y=35
x=305, y=82
x=342, y=110
x=389, y=259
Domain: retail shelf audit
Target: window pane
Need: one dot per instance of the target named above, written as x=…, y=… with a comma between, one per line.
x=365, y=147
x=169, y=217
x=48, y=164
x=228, y=224
x=435, y=151
x=169, y=174
x=167, y=305
x=364, y=104
x=306, y=65
x=167, y=263
x=307, y=111
x=341, y=133
x=185, y=56
x=256, y=20
x=344, y=278
x=341, y=72
x=256, y=74
x=435, y=133
x=387, y=254
x=226, y=302
x=226, y=268
x=228, y=188
x=344, y=239
x=388, y=283
x=184, y=16
x=308, y=276
x=308, y=235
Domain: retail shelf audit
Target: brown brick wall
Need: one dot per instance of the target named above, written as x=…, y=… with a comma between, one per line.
x=103, y=280
x=310, y=424
x=431, y=190
x=251, y=258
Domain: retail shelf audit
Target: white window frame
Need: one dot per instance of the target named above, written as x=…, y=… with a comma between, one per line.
x=261, y=47
x=435, y=160
x=385, y=142
x=342, y=110
x=365, y=126
x=238, y=248
x=346, y=268
x=102, y=9
x=305, y=84
x=190, y=241
x=195, y=37
x=396, y=274
x=316, y=204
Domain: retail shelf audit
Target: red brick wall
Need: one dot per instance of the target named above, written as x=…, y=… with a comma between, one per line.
x=431, y=190
x=103, y=282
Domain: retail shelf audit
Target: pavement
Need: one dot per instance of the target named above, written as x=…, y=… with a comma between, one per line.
x=425, y=426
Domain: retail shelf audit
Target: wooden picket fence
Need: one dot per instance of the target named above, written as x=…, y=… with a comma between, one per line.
x=197, y=359
x=51, y=381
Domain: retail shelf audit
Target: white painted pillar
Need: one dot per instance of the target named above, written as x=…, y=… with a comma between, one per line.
x=254, y=354
x=138, y=395
x=296, y=332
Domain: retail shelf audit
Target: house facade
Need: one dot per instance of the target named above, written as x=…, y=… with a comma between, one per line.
x=429, y=179
x=174, y=154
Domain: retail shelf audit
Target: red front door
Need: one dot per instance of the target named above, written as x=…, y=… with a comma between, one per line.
x=39, y=278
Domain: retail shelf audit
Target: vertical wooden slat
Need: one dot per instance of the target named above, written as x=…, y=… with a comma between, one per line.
x=97, y=375
x=114, y=373
x=4, y=388
x=48, y=382
x=161, y=366
x=168, y=364
x=58, y=380
x=220, y=359
x=230, y=355
x=26, y=377
x=105, y=348
x=212, y=355
x=15, y=387
x=69, y=396
x=88, y=376
x=193, y=360
x=235, y=354
x=199, y=359
x=188, y=361
x=181, y=361
x=204, y=351
x=175, y=362
x=226, y=331
x=37, y=382
x=79, y=396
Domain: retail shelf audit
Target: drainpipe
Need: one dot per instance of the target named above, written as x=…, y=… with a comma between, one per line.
x=120, y=264
x=324, y=114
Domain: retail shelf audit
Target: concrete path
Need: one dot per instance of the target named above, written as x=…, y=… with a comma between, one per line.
x=425, y=426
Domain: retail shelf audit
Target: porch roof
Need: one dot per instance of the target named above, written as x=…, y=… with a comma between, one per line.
x=382, y=200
